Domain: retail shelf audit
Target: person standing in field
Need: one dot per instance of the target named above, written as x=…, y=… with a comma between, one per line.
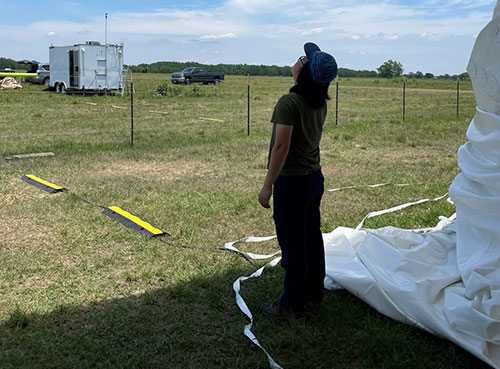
x=295, y=180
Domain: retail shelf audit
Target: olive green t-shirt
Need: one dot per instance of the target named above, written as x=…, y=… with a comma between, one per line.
x=303, y=156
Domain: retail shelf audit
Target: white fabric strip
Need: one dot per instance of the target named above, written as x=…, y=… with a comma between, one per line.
x=370, y=186
x=230, y=246
x=444, y=222
x=397, y=208
x=244, y=308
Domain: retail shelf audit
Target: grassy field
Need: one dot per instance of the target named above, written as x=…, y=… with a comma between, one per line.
x=79, y=290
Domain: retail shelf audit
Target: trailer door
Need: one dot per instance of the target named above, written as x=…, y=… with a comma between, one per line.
x=74, y=69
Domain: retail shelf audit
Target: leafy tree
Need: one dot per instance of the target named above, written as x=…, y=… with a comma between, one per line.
x=419, y=75
x=464, y=76
x=390, y=69
x=429, y=75
x=347, y=73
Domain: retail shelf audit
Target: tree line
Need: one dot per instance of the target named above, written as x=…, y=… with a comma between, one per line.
x=12, y=64
x=233, y=69
x=389, y=69
x=394, y=69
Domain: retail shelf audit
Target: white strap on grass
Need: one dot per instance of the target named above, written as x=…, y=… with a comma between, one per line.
x=230, y=246
x=244, y=308
x=397, y=208
x=444, y=222
x=370, y=186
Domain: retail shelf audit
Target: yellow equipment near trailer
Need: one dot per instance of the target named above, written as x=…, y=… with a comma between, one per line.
x=14, y=74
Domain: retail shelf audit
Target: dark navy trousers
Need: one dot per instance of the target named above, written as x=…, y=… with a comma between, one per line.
x=297, y=218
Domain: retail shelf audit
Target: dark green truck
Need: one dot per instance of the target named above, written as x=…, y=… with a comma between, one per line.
x=197, y=75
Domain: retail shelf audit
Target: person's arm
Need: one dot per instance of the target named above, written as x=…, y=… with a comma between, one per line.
x=277, y=159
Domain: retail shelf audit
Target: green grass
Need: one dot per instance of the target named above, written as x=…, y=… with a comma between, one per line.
x=79, y=290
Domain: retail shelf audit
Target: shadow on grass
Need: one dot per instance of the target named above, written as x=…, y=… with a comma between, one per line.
x=196, y=324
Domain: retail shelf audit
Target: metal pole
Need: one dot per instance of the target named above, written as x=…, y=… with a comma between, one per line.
x=105, y=28
x=458, y=95
x=131, y=113
x=248, y=103
x=337, y=101
x=404, y=98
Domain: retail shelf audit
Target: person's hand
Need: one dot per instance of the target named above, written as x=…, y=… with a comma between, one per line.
x=265, y=195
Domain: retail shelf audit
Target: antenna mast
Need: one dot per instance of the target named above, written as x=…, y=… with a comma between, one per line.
x=105, y=28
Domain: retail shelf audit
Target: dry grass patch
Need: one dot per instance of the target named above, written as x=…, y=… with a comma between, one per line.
x=22, y=231
x=156, y=170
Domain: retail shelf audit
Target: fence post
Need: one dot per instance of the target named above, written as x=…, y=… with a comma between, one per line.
x=131, y=113
x=248, y=104
x=337, y=101
x=458, y=95
x=404, y=99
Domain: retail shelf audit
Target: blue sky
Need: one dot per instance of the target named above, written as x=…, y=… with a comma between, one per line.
x=433, y=36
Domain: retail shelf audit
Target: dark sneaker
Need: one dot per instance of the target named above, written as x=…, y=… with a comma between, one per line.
x=275, y=310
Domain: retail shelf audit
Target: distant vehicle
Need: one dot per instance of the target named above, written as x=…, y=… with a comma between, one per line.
x=43, y=71
x=89, y=67
x=5, y=70
x=197, y=75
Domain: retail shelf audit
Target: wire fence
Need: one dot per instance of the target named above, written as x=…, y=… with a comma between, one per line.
x=240, y=104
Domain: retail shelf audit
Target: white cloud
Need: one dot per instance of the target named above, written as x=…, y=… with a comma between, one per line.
x=389, y=18
x=175, y=22
x=355, y=37
x=51, y=34
x=261, y=6
x=357, y=52
x=225, y=35
x=430, y=35
x=391, y=37
x=313, y=31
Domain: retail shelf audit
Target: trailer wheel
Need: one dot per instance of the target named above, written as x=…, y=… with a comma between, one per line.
x=60, y=88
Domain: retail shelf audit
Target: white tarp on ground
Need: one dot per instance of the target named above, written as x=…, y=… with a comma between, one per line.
x=414, y=278
x=446, y=281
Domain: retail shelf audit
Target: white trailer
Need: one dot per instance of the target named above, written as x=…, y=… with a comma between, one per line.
x=89, y=67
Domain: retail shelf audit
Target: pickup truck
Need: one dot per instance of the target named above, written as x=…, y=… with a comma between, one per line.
x=197, y=74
